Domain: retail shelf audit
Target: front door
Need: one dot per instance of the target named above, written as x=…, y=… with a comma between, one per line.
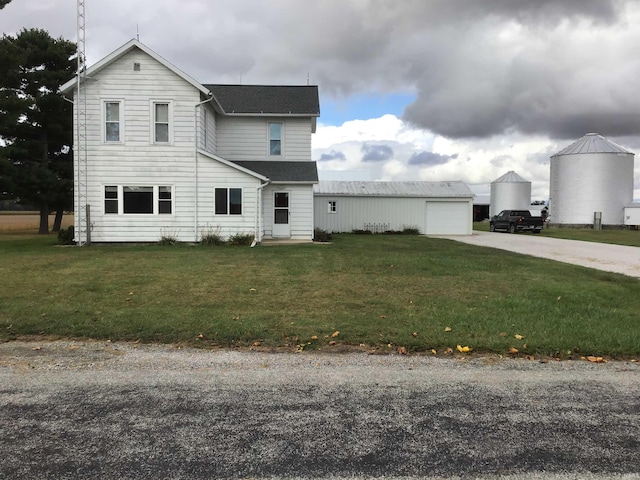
x=281, y=226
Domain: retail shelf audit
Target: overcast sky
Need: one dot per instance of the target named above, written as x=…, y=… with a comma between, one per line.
x=409, y=89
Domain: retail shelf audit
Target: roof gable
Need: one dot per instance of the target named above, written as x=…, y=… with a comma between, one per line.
x=267, y=99
x=123, y=50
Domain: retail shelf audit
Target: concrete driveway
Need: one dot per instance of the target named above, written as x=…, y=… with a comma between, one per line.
x=601, y=256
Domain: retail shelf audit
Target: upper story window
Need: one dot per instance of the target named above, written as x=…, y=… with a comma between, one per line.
x=113, y=121
x=161, y=123
x=275, y=138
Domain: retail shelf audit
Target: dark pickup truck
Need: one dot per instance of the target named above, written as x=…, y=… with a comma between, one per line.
x=513, y=221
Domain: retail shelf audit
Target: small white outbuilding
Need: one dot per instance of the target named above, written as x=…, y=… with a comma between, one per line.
x=435, y=208
x=509, y=192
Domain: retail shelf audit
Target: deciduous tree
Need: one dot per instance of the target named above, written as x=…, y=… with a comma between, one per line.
x=36, y=124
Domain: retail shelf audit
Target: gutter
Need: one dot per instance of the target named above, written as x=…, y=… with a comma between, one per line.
x=195, y=163
x=257, y=237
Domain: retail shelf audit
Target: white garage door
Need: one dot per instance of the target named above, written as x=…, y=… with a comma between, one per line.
x=448, y=218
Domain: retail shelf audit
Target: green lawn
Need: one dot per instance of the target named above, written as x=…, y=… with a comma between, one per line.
x=374, y=290
x=618, y=237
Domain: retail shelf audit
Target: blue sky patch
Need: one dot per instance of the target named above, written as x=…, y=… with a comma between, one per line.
x=363, y=107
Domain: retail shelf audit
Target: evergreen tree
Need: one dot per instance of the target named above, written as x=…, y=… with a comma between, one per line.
x=36, y=124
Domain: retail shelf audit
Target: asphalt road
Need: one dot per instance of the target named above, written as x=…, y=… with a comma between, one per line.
x=601, y=256
x=122, y=411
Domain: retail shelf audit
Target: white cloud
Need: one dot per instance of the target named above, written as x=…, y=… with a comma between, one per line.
x=477, y=162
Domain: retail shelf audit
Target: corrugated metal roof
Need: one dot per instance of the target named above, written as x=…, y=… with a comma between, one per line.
x=394, y=189
x=510, y=177
x=592, y=143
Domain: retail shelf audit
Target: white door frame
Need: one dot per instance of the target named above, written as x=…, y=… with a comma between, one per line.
x=281, y=214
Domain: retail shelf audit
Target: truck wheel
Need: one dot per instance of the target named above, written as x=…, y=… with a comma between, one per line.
x=492, y=227
x=512, y=228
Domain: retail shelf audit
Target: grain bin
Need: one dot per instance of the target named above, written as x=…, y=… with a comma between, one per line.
x=509, y=192
x=591, y=175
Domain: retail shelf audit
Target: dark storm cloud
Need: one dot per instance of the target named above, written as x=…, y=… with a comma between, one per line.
x=376, y=153
x=332, y=155
x=430, y=158
x=558, y=68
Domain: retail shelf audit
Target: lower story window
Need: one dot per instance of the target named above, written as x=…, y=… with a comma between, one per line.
x=228, y=201
x=134, y=199
x=332, y=207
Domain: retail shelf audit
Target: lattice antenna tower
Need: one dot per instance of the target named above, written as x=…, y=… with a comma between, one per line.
x=81, y=213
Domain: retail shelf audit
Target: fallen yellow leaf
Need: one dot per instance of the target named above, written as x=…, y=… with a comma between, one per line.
x=447, y=329
x=335, y=334
x=594, y=359
x=513, y=351
x=448, y=351
x=518, y=336
x=415, y=334
x=464, y=349
x=434, y=351
x=314, y=337
x=256, y=344
x=332, y=342
x=402, y=351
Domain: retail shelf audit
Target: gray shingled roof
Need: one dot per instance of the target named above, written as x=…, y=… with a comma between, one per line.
x=394, y=189
x=591, y=143
x=265, y=99
x=282, y=171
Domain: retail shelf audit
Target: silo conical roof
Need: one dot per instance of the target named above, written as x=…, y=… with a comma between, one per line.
x=510, y=177
x=592, y=143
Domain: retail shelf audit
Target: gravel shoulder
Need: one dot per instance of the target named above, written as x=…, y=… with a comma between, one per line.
x=601, y=256
x=119, y=410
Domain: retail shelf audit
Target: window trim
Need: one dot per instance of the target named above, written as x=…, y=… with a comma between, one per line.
x=152, y=117
x=228, y=202
x=103, y=117
x=155, y=201
x=281, y=139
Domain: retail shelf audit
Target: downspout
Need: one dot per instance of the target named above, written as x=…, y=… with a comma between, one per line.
x=195, y=164
x=257, y=237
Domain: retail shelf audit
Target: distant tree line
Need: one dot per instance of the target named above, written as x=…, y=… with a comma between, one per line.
x=36, y=125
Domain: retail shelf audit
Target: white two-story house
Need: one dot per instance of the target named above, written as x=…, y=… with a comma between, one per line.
x=168, y=156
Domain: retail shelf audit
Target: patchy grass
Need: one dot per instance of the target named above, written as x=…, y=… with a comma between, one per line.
x=617, y=237
x=382, y=291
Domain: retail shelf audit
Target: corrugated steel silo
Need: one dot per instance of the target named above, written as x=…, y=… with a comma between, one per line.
x=509, y=192
x=591, y=175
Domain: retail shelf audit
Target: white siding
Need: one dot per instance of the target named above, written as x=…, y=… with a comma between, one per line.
x=207, y=129
x=301, y=210
x=355, y=213
x=137, y=160
x=632, y=215
x=392, y=213
x=246, y=138
x=213, y=174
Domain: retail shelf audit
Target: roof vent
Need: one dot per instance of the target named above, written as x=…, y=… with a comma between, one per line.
x=136, y=67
